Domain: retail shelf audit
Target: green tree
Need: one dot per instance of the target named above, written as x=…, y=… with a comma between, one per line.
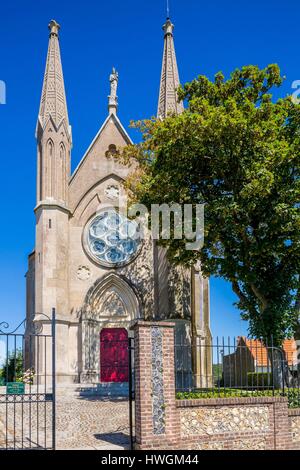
x=236, y=150
x=12, y=370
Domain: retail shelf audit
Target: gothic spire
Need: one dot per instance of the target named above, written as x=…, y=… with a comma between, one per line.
x=53, y=100
x=168, y=102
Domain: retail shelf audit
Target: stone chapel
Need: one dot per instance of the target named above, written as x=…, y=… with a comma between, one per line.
x=98, y=282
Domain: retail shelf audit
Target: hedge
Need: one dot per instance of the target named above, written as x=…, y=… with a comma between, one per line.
x=260, y=379
x=292, y=394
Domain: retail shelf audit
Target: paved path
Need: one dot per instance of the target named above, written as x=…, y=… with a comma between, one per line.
x=81, y=423
x=92, y=424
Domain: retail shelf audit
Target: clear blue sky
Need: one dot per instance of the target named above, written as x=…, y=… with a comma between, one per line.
x=96, y=35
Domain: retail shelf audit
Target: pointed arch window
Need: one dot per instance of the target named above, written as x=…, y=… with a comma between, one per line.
x=62, y=167
x=50, y=169
x=50, y=148
x=111, y=297
x=62, y=151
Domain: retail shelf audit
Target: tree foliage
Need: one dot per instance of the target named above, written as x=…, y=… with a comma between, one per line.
x=12, y=370
x=236, y=150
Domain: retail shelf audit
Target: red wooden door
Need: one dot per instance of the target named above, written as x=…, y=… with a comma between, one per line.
x=114, y=355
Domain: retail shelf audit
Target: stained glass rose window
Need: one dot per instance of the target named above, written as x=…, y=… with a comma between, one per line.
x=112, y=239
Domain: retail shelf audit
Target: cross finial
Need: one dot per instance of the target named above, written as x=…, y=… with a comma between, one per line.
x=113, y=98
x=54, y=27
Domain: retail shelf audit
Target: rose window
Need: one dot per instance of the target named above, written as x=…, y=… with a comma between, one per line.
x=112, y=239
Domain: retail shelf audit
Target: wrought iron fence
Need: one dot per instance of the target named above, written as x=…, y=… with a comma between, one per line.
x=238, y=366
x=131, y=394
x=27, y=385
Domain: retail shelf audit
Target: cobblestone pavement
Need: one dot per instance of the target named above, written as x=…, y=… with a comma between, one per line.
x=92, y=423
x=81, y=423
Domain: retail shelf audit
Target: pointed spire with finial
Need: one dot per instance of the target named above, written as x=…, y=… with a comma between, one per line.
x=53, y=100
x=113, y=98
x=168, y=101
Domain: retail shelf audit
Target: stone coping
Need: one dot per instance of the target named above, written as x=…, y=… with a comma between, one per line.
x=151, y=324
x=230, y=401
x=59, y=320
x=52, y=205
x=294, y=411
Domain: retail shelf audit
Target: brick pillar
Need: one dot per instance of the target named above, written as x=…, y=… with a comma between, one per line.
x=282, y=427
x=156, y=416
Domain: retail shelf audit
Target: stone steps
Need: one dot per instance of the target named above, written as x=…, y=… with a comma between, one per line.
x=103, y=390
x=114, y=390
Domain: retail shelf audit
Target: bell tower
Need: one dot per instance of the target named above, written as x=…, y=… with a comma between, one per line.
x=167, y=104
x=165, y=303
x=54, y=143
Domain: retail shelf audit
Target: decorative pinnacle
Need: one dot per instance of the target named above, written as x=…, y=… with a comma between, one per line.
x=54, y=27
x=168, y=27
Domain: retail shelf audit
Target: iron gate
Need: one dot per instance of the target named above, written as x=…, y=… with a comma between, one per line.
x=131, y=380
x=27, y=385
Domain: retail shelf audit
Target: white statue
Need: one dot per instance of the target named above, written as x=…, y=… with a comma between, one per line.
x=114, y=78
x=113, y=99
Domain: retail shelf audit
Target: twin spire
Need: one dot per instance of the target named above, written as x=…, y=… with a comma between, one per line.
x=53, y=101
x=169, y=82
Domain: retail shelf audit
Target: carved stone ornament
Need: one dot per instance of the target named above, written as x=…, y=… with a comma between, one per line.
x=112, y=305
x=83, y=273
x=112, y=192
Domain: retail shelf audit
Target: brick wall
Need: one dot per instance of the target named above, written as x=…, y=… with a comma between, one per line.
x=164, y=423
x=294, y=422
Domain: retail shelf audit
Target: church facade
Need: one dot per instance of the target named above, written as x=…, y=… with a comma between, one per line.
x=98, y=280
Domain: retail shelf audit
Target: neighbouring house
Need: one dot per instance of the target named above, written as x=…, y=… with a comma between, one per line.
x=252, y=358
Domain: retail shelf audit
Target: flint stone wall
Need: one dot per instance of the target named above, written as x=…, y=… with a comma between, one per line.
x=234, y=424
x=294, y=417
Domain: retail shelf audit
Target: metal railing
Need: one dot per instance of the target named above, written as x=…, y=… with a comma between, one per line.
x=239, y=366
x=131, y=393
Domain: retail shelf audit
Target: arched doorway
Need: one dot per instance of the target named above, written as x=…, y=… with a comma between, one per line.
x=111, y=307
x=114, y=355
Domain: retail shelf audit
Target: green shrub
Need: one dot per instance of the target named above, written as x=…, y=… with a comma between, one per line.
x=12, y=370
x=292, y=394
x=223, y=393
x=217, y=370
x=260, y=379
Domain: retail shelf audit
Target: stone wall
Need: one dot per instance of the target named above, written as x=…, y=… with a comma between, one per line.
x=294, y=418
x=234, y=424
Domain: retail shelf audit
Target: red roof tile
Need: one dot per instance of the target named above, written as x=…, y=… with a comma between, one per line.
x=260, y=354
